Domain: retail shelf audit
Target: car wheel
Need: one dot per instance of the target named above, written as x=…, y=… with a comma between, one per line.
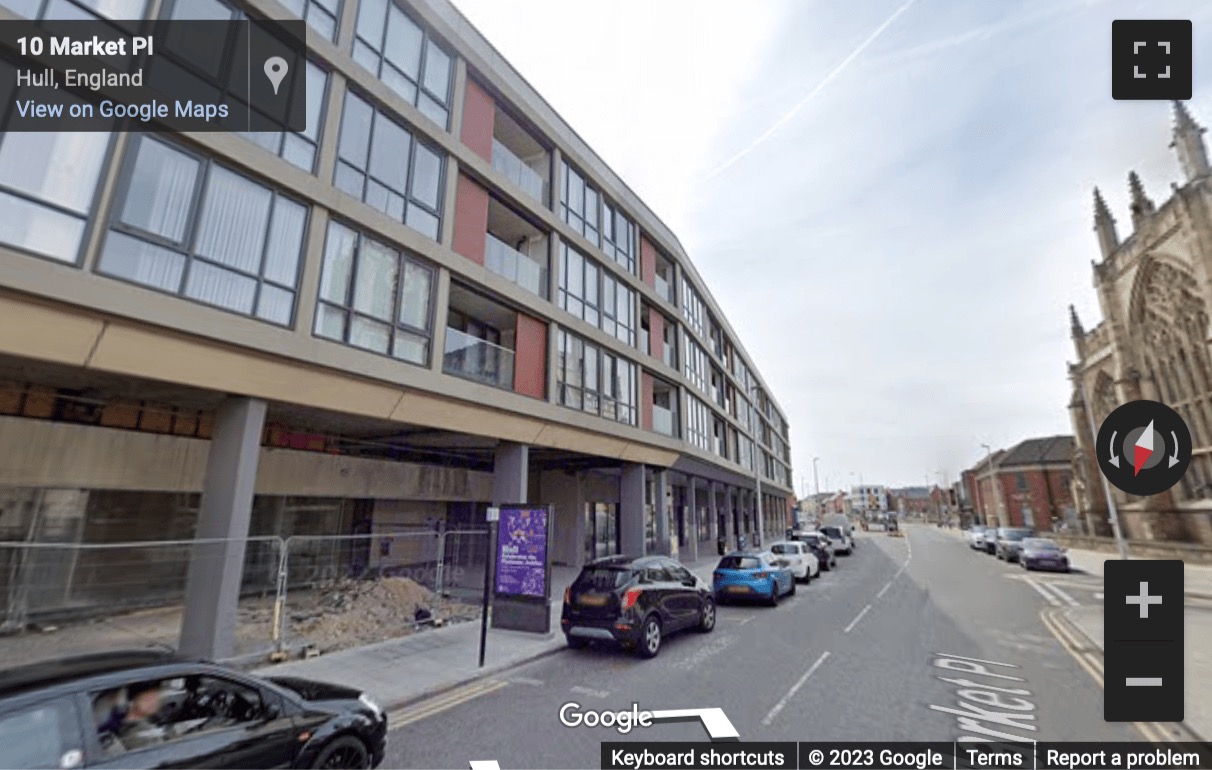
x=344, y=752
x=577, y=642
x=707, y=619
x=792, y=591
x=773, y=601
x=650, y=638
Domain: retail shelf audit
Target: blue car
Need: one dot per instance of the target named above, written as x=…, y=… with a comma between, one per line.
x=751, y=575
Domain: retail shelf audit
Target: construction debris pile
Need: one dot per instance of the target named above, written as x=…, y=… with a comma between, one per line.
x=348, y=613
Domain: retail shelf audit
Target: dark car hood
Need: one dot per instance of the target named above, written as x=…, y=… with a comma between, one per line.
x=316, y=691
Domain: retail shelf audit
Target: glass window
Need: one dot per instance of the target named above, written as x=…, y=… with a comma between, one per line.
x=47, y=184
x=299, y=148
x=405, y=57
x=38, y=736
x=579, y=206
x=618, y=236
x=595, y=381
x=697, y=368
x=698, y=424
x=320, y=15
x=592, y=294
x=82, y=10
x=381, y=163
x=190, y=227
x=693, y=309
x=374, y=297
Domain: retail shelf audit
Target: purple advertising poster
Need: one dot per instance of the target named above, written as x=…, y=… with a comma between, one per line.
x=522, y=552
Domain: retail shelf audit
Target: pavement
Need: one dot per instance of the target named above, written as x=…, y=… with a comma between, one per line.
x=402, y=671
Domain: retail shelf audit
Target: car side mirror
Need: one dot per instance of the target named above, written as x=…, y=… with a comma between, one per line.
x=690, y=582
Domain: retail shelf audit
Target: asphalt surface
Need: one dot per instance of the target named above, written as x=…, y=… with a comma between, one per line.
x=858, y=655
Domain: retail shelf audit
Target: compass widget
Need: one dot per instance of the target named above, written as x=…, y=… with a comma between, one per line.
x=1144, y=448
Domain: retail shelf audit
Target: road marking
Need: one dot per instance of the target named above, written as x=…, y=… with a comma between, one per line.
x=854, y=622
x=444, y=702
x=527, y=680
x=1068, y=599
x=884, y=590
x=774, y=712
x=1098, y=596
x=1039, y=590
x=589, y=691
x=746, y=620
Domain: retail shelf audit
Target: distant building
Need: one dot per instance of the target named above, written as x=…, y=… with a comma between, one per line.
x=1028, y=485
x=869, y=498
x=912, y=501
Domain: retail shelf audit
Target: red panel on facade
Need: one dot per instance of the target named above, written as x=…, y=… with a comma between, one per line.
x=530, y=358
x=479, y=114
x=656, y=335
x=471, y=220
x=647, y=262
x=646, y=402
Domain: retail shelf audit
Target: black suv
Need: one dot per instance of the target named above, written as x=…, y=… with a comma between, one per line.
x=143, y=709
x=635, y=603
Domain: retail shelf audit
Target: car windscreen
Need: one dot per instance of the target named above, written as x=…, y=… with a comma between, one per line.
x=1016, y=534
x=603, y=578
x=832, y=531
x=784, y=548
x=739, y=562
x=1040, y=545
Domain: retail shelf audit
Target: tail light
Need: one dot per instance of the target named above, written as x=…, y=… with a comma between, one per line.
x=631, y=597
x=761, y=575
x=568, y=595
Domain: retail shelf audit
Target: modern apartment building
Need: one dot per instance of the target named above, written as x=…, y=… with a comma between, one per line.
x=434, y=298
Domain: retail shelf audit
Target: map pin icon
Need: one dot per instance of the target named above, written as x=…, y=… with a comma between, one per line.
x=275, y=70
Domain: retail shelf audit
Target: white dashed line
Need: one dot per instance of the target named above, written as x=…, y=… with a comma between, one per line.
x=587, y=691
x=1047, y=596
x=854, y=622
x=884, y=590
x=774, y=712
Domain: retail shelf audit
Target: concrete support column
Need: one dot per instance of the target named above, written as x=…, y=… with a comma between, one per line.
x=510, y=473
x=631, y=509
x=216, y=567
x=693, y=505
x=660, y=509
x=712, y=512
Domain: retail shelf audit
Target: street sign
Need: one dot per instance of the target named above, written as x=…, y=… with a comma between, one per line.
x=494, y=513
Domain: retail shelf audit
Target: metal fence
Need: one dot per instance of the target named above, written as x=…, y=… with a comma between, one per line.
x=297, y=593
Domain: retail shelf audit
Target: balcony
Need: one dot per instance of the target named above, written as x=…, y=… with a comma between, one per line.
x=515, y=169
x=476, y=359
x=515, y=266
x=662, y=420
x=663, y=289
x=515, y=249
x=667, y=355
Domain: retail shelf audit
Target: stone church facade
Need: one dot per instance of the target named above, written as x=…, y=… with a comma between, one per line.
x=1155, y=293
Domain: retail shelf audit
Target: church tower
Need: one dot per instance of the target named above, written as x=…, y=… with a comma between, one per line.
x=1189, y=144
x=1142, y=206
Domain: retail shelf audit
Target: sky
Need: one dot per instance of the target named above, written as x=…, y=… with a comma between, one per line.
x=890, y=200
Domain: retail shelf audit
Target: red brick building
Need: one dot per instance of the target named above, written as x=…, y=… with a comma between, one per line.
x=1033, y=485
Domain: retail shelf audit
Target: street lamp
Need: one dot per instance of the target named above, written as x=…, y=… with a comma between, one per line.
x=997, y=493
x=816, y=479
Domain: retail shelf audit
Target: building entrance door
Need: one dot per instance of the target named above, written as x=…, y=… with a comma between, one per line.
x=601, y=530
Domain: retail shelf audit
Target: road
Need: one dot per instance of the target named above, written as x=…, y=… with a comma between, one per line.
x=860, y=654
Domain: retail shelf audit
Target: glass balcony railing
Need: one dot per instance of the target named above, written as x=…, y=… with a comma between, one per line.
x=515, y=266
x=477, y=359
x=662, y=420
x=663, y=289
x=668, y=357
x=513, y=167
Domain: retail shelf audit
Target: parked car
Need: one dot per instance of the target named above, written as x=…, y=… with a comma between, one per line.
x=752, y=575
x=1041, y=553
x=803, y=562
x=821, y=546
x=1009, y=541
x=842, y=543
x=975, y=537
x=989, y=541
x=149, y=708
x=635, y=603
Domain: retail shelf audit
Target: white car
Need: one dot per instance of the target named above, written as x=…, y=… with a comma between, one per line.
x=842, y=543
x=799, y=557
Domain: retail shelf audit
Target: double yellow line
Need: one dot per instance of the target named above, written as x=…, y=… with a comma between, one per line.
x=1091, y=661
x=437, y=705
